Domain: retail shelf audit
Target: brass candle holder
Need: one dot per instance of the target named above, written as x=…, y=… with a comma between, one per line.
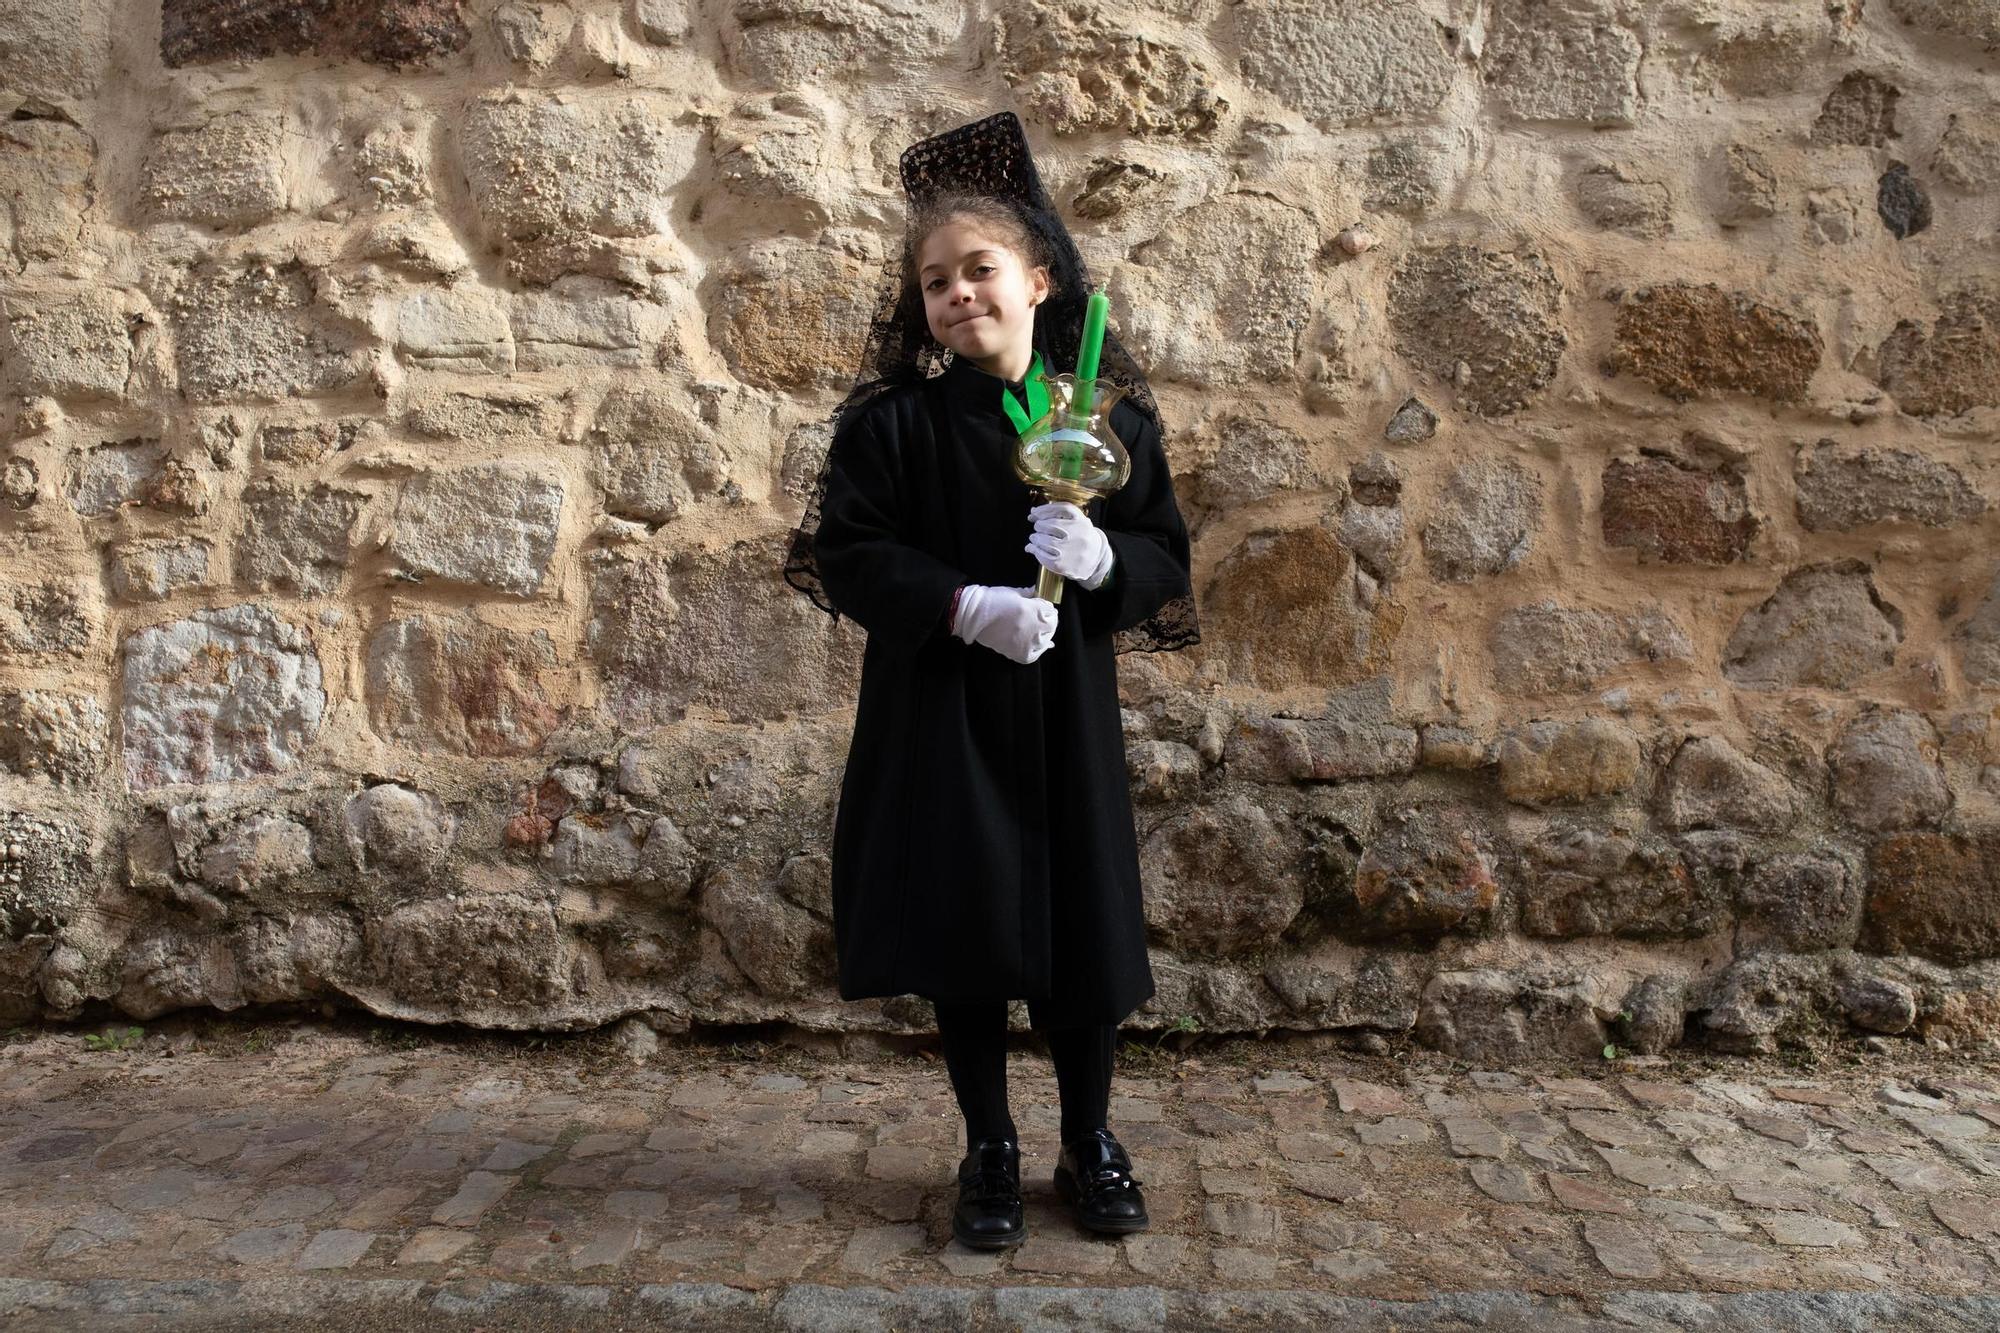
x=1071, y=453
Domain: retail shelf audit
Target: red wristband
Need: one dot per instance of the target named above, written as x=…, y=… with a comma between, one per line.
x=951, y=620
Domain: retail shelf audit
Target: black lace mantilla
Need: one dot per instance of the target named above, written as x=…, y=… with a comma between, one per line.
x=989, y=156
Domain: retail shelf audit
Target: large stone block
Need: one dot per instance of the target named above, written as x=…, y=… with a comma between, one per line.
x=395, y=33
x=461, y=328
x=1955, y=366
x=785, y=950
x=151, y=571
x=788, y=44
x=397, y=830
x=1887, y=772
x=1487, y=321
x=1288, y=612
x=296, y=538
x=1546, y=648
x=1689, y=341
x=1802, y=902
x=57, y=55
x=1935, y=895
x=1080, y=69
x=69, y=342
x=578, y=184
x=1825, y=625
x=1343, y=64
x=62, y=737
x=455, y=683
x=1494, y=1018
x=1485, y=520
x=47, y=622
x=228, y=171
x=1546, y=763
x=471, y=955
x=46, y=169
x=1579, y=879
x=1978, y=638
x=790, y=316
x=218, y=697
x=711, y=629
x=46, y=868
x=1564, y=60
x=1840, y=488
x=1711, y=784
x=1221, y=294
x=658, y=457
x=101, y=478
x=1676, y=512
x=1221, y=878
x=1430, y=871
x=492, y=525
x=258, y=333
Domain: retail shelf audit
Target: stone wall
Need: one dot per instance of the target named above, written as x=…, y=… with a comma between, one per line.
x=1586, y=413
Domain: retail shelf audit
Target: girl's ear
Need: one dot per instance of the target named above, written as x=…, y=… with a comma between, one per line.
x=1038, y=280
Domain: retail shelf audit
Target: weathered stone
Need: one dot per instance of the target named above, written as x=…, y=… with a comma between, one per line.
x=659, y=458
x=1978, y=638
x=469, y=956
x=1343, y=64
x=45, y=621
x=783, y=950
x=46, y=867
x=701, y=627
x=1616, y=200
x=227, y=171
x=1412, y=423
x=1861, y=110
x=586, y=321
x=1081, y=70
x=396, y=829
x=1405, y=176
x=106, y=476
x=665, y=22
x=1163, y=771
x=1935, y=895
x=1218, y=296
x=514, y=417
x=1292, y=610
x=1833, y=216
x=786, y=315
x=1967, y=157
x=1688, y=341
x=1761, y=1001
x=1773, y=58
x=1825, y=625
x=1429, y=871
x=578, y=184
x=58, y=736
x=1654, y=1015
x=1494, y=1018
x=1975, y=20
x=58, y=58
x=1748, y=186
x=1222, y=878
x=1330, y=749
x=459, y=328
x=260, y=852
x=1116, y=187
x=1844, y=488
x=489, y=524
x=1711, y=784
x=1887, y=772
x=1581, y=880
x=1380, y=992
x=1485, y=520
x=217, y=697
x=295, y=537
x=1676, y=512
x=1876, y=1003
x=1253, y=460
x=1486, y=321
x=1902, y=202
x=1956, y=365
x=394, y=33
x=1546, y=648
x=46, y=167
x=153, y=571
x=1565, y=60
x=458, y=684
x=258, y=333
x=68, y=342
x=1545, y=763
x=1801, y=901
x=836, y=40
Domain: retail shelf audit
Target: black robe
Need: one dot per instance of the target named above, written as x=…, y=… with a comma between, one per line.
x=984, y=845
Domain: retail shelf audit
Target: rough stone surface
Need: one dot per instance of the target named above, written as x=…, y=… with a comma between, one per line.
x=1485, y=521
x=1345, y=64
x=1689, y=341
x=1486, y=321
x=1952, y=367
x=295, y=538
x=1841, y=489
x=1887, y=772
x=1564, y=62
x=1227, y=877
x=1825, y=625
x=1677, y=513
x=1935, y=895
x=462, y=685
x=1293, y=605
x=394, y=33
x=1546, y=648
x=491, y=524
x=1079, y=69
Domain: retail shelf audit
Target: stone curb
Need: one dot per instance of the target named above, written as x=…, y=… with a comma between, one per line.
x=27, y=1303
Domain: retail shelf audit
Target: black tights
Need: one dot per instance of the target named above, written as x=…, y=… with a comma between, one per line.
x=974, y=1035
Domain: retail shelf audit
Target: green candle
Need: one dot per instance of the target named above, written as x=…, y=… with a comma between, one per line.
x=1093, y=338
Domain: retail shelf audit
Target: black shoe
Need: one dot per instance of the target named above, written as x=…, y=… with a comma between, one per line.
x=1094, y=1176
x=989, y=1216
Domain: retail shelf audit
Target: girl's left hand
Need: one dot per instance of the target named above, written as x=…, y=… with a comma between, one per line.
x=1066, y=541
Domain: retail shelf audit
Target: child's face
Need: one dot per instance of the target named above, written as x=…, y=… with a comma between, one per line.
x=979, y=296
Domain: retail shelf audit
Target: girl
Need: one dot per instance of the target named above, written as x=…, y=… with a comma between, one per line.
x=983, y=847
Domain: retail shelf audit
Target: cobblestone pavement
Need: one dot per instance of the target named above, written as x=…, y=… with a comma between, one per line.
x=338, y=1178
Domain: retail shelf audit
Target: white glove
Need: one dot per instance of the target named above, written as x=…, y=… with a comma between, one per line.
x=1067, y=542
x=1013, y=622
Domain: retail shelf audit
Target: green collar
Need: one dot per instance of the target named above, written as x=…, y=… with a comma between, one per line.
x=1038, y=398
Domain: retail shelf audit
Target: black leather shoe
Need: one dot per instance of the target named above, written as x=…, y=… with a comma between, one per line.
x=989, y=1216
x=1094, y=1176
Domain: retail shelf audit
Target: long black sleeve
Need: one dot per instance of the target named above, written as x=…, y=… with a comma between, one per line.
x=1142, y=521
x=897, y=592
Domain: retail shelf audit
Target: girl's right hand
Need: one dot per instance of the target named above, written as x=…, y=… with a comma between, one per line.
x=1013, y=622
